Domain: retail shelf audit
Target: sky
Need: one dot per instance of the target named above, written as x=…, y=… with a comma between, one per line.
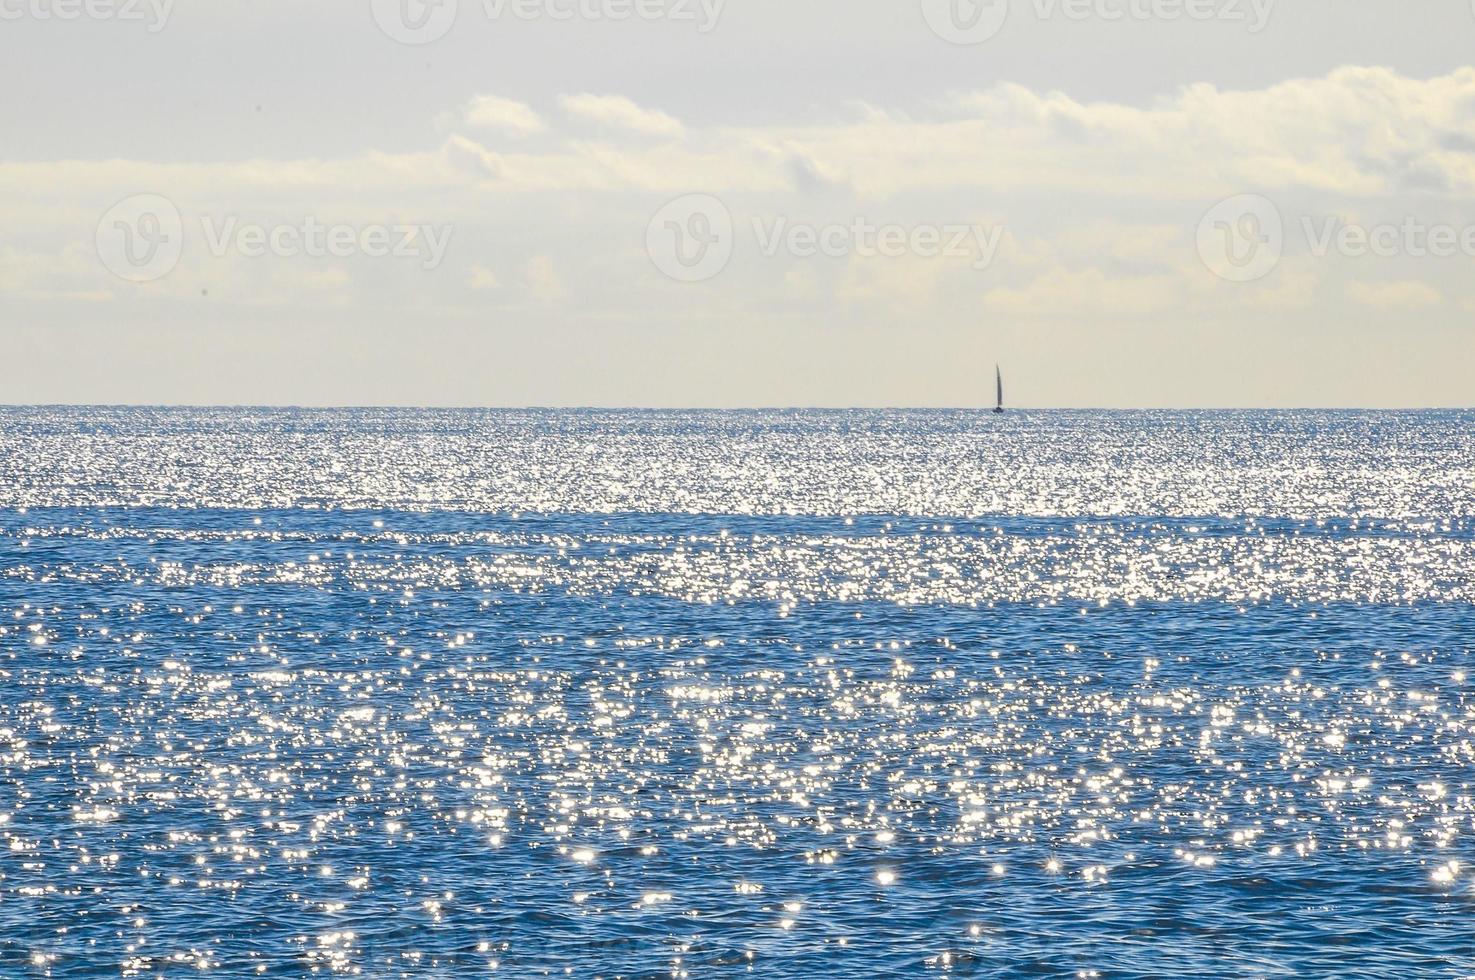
x=726, y=203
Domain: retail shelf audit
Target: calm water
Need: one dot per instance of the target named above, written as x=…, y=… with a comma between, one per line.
x=710, y=694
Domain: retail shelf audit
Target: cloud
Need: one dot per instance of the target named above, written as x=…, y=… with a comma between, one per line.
x=72, y=274
x=1293, y=286
x=1360, y=133
x=498, y=115
x=1085, y=292
x=542, y=281
x=1099, y=199
x=618, y=112
x=1404, y=294
x=483, y=279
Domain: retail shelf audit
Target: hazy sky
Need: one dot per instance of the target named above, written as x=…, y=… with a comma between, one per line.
x=750, y=202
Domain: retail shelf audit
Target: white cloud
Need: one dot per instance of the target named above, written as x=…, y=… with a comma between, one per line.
x=483, y=279
x=541, y=278
x=1293, y=286
x=1099, y=202
x=1086, y=292
x=1405, y=294
x=618, y=112
x=1358, y=132
x=505, y=116
x=907, y=284
x=72, y=274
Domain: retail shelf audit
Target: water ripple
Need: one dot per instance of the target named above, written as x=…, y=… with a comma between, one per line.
x=272, y=705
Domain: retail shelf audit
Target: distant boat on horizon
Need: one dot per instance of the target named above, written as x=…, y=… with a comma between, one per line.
x=999, y=380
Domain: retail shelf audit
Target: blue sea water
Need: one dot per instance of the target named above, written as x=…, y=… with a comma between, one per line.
x=785, y=694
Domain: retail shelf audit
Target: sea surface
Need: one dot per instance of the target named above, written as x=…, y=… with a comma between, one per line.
x=706, y=694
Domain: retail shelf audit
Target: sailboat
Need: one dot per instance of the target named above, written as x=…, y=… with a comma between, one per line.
x=999, y=379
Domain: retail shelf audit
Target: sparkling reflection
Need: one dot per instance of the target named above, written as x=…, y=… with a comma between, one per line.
x=635, y=694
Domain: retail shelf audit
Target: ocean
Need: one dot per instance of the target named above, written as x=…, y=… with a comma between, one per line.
x=774, y=693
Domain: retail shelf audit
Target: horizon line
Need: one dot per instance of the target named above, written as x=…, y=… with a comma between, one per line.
x=985, y=409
